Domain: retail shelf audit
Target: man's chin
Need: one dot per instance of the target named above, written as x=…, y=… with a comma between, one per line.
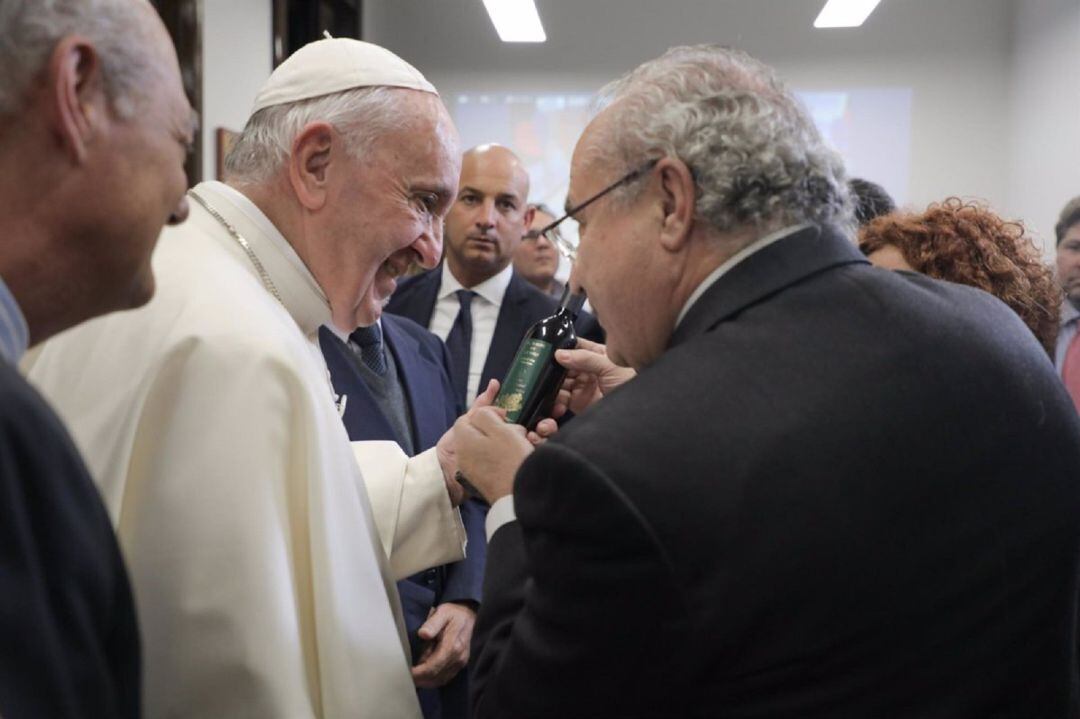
x=368, y=313
x=142, y=291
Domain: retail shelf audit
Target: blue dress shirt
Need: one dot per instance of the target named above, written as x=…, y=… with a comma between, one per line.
x=14, y=334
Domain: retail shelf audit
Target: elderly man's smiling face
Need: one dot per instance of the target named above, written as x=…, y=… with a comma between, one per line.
x=387, y=212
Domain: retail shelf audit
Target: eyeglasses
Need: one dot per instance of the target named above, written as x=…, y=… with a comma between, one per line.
x=555, y=237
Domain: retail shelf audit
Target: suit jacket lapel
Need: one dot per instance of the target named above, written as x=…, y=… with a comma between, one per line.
x=363, y=419
x=427, y=294
x=509, y=329
x=771, y=269
x=418, y=375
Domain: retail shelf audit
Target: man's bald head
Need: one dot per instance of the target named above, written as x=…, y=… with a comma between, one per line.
x=492, y=156
x=486, y=223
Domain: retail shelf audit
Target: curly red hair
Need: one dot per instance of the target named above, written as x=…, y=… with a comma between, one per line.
x=967, y=243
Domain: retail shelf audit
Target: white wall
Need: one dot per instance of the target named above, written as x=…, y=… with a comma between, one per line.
x=957, y=57
x=1045, y=150
x=994, y=102
x=237, y=60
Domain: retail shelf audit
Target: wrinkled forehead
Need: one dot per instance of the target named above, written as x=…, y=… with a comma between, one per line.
x=592, y=147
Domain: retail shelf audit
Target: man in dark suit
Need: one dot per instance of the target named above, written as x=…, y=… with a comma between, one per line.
x=73, y=248
x=830, y=491
x=475, y=301
x=395, y=383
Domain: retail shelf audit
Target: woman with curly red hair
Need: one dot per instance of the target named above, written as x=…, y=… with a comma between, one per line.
x=967, y=243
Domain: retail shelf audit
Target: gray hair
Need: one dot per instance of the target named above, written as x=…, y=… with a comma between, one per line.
x=362, y=115
x=30, y=29
x=756, y=156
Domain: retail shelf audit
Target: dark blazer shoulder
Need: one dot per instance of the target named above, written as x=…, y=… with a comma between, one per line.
x=415, y=296
x=423, y=336
x=66, y=609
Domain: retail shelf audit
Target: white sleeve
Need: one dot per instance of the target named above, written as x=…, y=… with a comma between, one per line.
x=417, y=525
x=250, y=552
x=501, y=512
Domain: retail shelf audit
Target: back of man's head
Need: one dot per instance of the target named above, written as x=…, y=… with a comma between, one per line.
x=871, y=200
x=757, y=158
x=1070, y=215
x=120, y=30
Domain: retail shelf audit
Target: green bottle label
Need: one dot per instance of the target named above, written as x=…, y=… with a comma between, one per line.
x=522, y=377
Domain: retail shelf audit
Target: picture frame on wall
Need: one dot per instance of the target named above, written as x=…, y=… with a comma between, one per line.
x=298, y=22
x=223, y=139
x=184, y=21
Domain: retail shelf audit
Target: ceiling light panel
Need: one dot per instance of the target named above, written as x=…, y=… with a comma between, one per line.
x=516, y=20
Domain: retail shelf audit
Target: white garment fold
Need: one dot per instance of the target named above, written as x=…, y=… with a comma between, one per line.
x=259, y=561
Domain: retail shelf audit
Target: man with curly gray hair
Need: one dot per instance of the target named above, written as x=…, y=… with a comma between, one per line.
x=94, y=129
x=830, y=490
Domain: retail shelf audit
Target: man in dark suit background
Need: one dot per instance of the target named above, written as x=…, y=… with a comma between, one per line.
x=394, y=380
x=475, y=301
x=830, y=491
x=89, y=91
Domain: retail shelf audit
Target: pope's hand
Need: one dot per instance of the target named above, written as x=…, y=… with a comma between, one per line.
x=590, y=375
x=489, y=451
x=446, y=448
x=449, y=631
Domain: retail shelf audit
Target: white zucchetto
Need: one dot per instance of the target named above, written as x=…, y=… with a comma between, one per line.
x=324, y=67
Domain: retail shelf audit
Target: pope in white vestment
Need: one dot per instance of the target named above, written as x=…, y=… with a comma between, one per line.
x=208, y=420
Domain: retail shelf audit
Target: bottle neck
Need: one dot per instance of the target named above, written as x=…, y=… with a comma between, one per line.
x=571, y=302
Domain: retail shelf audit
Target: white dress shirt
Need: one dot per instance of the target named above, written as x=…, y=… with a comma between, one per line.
x=484, y=311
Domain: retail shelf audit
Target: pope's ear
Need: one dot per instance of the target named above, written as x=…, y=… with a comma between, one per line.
x=309, y=163
x=75, y=95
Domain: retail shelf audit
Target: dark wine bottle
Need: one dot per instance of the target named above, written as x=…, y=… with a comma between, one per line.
x=532, y=383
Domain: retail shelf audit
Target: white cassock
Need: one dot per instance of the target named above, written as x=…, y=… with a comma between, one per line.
x=260, y=565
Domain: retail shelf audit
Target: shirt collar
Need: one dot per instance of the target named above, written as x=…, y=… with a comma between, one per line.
x=14, y=333
x=734, y=260
x=493, y=289
x=342, y=334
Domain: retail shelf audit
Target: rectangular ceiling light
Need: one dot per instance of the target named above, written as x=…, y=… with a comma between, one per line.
x=516, y=20
x=845, y=13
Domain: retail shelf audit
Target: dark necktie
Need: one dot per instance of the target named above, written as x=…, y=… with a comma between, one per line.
x=458, y=343
x=369, y=340
x=1070, y=368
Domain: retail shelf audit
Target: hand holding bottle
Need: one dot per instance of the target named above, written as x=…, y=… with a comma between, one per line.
x=490, y=450
x=446, y=448
x=590, y=375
